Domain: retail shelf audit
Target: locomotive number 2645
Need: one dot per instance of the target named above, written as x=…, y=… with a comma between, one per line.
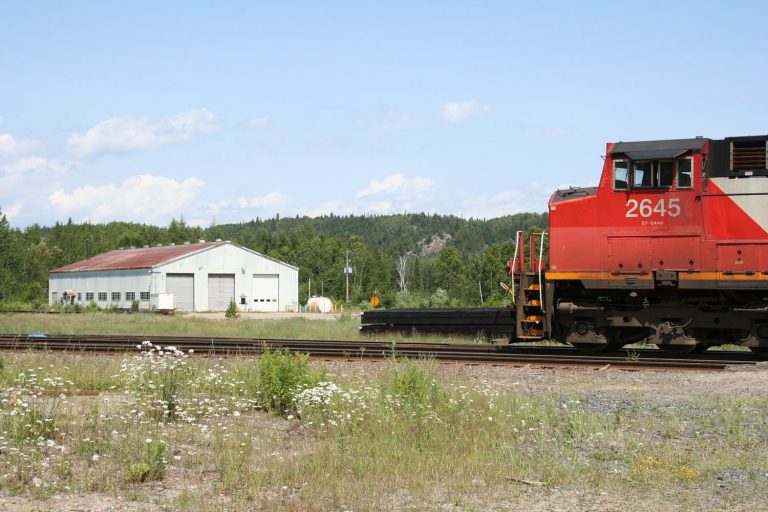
x=646, y=208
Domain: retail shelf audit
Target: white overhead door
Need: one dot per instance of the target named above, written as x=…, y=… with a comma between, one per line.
x=266, y=288
x=221, y=289
x=182, y=286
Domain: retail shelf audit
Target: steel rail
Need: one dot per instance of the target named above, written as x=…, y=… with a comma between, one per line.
x=489, y=354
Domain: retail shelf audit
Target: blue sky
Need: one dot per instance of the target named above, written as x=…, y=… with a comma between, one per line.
x=227, y=111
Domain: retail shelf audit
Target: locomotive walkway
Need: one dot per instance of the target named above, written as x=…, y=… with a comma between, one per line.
x=543, y=357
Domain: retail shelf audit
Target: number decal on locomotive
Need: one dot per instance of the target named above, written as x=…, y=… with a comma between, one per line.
x=645, y=208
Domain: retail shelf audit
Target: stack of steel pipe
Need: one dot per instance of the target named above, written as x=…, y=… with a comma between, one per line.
x=486, y=322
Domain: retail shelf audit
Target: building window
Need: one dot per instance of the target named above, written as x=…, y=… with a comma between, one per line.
x=684, y=173
x=115, y=296
x=103, y=296
x=620, y=174
x=79, y=296
x=89, y=296
x=144, y=295
x=130, y=296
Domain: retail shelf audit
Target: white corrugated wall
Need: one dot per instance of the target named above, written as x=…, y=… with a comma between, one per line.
x=105, y=281
x=229, y=258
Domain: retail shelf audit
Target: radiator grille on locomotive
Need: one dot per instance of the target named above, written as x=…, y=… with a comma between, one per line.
x=748, y=155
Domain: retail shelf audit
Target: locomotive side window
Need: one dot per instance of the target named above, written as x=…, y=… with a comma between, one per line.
x=620, y=175
x=684, y=173
x=642, y=175
x=665, y=172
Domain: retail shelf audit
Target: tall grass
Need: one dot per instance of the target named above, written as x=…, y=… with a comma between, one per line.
x=346, y=327
x=279, y=433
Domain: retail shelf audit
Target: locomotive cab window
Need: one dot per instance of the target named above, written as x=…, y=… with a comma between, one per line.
x=665, y=173
x=652, y=173
x=642, y=174
x=684, y=173
x=620, y=175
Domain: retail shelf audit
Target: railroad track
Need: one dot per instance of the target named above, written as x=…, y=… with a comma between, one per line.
x=360, y=350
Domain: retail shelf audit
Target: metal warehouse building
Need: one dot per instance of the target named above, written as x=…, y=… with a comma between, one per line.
x=201, y=277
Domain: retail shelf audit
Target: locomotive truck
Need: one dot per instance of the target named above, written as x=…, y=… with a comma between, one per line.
x=671, y=248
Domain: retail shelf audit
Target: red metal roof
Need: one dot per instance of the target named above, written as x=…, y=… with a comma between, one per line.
x=147, y=257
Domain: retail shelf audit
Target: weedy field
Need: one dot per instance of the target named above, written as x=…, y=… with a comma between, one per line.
x=342, y=327
x=163, y=430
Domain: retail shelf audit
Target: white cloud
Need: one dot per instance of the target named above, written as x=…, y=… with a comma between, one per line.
x=9, y=145
x=534, y=198
x=380, y=207
x=125, y=134
x=336, y=207
x=271, y=200
x=145, y=197
x=393, y=193
x=13, y=210
x=396, y=184
x=258, y=122
x=35, y=165
x=458, y=111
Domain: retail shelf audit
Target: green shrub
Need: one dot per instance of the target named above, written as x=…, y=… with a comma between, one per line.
x=71, y=308
x=232, y=311
x=135, y=305
x=159, y=376
x=282, y=375
x=346, y=316
x=152, y=465
x=439, y=298
x=414, y=384
x=410, y=300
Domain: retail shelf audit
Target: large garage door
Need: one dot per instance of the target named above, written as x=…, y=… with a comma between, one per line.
x=221, y=289
x=265, y=292
x=182, y=286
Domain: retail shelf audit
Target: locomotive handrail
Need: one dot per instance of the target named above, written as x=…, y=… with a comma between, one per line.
x=514, y=262
x=541, y=262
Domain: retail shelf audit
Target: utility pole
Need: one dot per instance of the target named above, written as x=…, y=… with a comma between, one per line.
x=347, y=271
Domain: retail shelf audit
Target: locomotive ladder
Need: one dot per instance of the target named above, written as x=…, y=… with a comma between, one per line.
x=528, y=299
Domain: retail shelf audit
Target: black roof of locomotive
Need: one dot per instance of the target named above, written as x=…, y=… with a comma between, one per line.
x=652, y=149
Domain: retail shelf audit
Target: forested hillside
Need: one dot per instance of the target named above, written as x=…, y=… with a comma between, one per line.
x=407, y=259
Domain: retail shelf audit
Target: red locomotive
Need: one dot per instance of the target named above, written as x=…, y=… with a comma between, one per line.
x=670, y=248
